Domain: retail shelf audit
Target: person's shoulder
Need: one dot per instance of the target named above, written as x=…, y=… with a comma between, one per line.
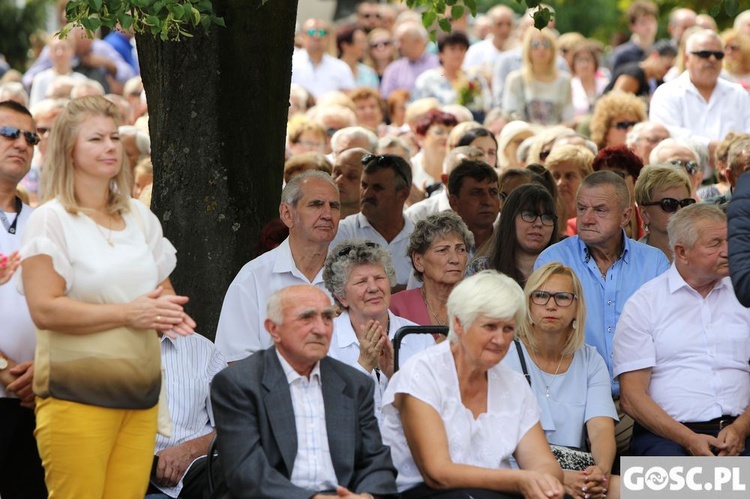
x=248, y=370
x=644, y=251
x=562, y=247
x=347, y=373
x=260, y=264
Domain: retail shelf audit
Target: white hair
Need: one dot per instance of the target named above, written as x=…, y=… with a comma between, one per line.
x=142, y=139
x=702, y=34
x=354, y=133
x=655, y=156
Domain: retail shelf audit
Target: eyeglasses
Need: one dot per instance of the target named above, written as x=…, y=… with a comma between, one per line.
x=383, y=44
x=670, y=205
x=690, y=166
x=13, y=133
x=562, y=299
x=348, y=247
x=530, y=216
x=535, y=44
x=624, y=125
x=320, y=33
x=383, y=161
x=705, y=54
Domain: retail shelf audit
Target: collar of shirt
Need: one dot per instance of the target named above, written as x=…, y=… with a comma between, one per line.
x=677, y=282
x=285, y=263
x=624, y=256
x=292, y=375
x=719, y=89
x=166, y=340
x=362, y=222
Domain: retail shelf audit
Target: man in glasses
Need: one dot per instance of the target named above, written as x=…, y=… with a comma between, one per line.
x=698, y=105
x=22, y=475
x=682, y=345
x=611, y=266
x=680, y=154
x=315, y=70
x=310, y=208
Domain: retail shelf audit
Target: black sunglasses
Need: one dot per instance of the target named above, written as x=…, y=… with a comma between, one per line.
x=562, y=299
x=13, y=133
x=624, y=125
x=670, y=205
x=705, y=54
x=348, y=247
x=690, y=166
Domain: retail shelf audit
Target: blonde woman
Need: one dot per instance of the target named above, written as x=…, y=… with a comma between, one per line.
x=95, y=273
x=538, y=93
x=737, y=56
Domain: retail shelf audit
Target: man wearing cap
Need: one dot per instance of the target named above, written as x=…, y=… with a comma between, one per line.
x=682, y=345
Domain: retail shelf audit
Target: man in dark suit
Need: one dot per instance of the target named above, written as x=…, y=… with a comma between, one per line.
x=294, y=423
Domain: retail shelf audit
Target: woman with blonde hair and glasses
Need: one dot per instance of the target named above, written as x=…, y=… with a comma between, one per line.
x=95, y=273
x=570, y=381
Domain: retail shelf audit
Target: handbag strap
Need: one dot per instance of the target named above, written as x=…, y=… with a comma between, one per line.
x=523, y=361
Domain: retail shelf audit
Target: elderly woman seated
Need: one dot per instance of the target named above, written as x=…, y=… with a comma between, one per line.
x=438, y=247
x=360, y=275
x=454, y=417
x=570, y=381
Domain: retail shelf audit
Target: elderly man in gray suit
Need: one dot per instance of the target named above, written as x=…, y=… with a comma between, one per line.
x=294, y=423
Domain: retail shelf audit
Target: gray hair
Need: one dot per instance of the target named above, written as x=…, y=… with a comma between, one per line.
x=654, y=157
x=293, y=191
x=635, y=133
x=413, y=29
x=348, y=254
x=355, y=133
x=607, y=177
x=142, y=139
x=737, y=159
x=488, y=293
x=701, y=34
x=275, y=307
x=683, y=224
x=11, y=89
x=433, y=228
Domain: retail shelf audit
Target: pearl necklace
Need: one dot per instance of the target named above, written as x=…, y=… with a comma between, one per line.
x=544, y=375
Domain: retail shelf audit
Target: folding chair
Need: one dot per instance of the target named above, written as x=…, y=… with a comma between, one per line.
x=407, y=330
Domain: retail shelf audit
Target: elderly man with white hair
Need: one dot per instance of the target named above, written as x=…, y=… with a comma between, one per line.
x=402, y=73
x=680, y=154
x=351, y=137
x=644, y=136
x=483, y=55
x=699, y=105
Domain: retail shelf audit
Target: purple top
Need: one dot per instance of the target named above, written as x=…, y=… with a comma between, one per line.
x=410, y=305
x=402, y=73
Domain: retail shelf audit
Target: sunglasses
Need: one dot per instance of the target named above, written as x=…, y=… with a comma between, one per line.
x=670, y=205
x=706, y=54
x=320, y=33
x=540, y=43
x=382, y=161
x=562, y=299
x=361, y=245
x=690, y=166
x=13, y=133
x=624, y=125
x=530, y=216
x=380, y=45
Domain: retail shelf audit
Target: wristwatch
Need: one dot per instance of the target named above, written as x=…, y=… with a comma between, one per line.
x=3, y=363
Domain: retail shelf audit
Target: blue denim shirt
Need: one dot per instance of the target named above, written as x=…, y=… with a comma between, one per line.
x=605, y=298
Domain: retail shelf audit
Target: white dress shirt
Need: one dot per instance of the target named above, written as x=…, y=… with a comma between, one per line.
x=357, y=226
x=329, y=75
x=345, y=347
x=679, y=106
x=435, y=204
x=313, y=467
x=240, y=332
x=697, y=348
x=189, y=364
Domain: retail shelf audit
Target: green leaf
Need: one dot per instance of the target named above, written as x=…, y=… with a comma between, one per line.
x=219, y=21
x=428, y=18
x=177, y=11
x=457, y=12
x=440, y=6
x=153, y=21
x=715, y=9
x=158, y=5
x=196, y=16
x=96, y=5
x=472, y=5
x=533, y=3
x=731, y=7
x=450, y=2
x=445, y=24
x=541, y=18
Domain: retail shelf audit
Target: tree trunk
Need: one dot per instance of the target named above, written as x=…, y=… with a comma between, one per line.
x=218, y=110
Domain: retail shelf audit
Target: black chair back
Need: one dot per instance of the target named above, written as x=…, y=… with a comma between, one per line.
x=407, y=330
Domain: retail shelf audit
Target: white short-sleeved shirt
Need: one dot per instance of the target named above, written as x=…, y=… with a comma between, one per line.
x=357, y=226
x=329, y=75
x=241, y=332
x=18, y=338
x=697, y=348
x=579, y=394
x=488, y=441
x=345, y=347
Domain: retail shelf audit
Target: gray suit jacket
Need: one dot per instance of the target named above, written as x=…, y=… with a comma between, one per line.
x=257, y=436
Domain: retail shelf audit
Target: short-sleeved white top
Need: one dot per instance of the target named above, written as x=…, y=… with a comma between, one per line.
x=488, y=441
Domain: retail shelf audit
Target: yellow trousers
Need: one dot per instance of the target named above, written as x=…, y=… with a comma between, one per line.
x=91, y=452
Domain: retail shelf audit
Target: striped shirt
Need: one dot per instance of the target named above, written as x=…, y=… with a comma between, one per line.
x=313, y=467
x=189, y=364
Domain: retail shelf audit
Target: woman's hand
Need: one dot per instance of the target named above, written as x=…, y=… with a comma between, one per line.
x=591, y=483
x=385, y=363
x=372, y=339
x=8, y=266
x=535, y=485
x=156, y=310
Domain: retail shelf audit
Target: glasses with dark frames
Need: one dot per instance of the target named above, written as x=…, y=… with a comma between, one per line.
x=530, y=216
x=671, y=205
x=347, y=248
x=624, y=125
x=563, y=299
x=13, y=133
x=706, y=54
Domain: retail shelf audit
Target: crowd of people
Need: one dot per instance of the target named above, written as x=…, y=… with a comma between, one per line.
x=557, y=207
